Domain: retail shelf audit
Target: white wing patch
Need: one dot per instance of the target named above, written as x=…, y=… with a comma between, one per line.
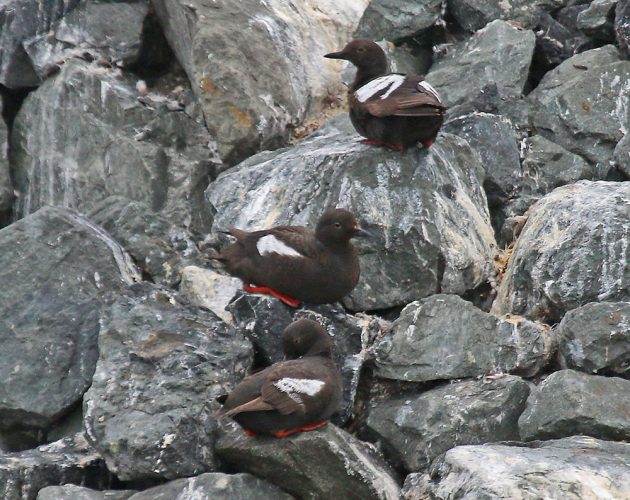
x=296, y=387
x=429, y=89
x=270, y=244
x=389, y=82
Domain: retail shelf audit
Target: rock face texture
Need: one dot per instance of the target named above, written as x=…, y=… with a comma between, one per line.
x=574, y=468
x=552, y=271
x=490, y=325
x=417, y=205
x=325, y=464
x=445, y=337
x=161, y=365
x=60, y=268
x=268, y=80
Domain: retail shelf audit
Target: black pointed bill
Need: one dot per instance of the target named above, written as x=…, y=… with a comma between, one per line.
x=336, y=55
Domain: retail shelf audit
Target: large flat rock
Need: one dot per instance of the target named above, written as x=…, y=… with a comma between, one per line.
x=57, y=269
x=426, y=209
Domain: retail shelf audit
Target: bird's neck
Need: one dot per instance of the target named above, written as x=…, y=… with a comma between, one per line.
x=365, y=74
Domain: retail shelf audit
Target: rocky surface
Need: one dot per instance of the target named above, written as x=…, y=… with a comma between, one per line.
x=445, y=337
x=499, y=54
x=70, y=460
x=327, y=463
x=148, y=118
x=268, y=80
x=61, y=268
x=263, y=318
x=161, y=365
x=573, y=468
x=569, y=402
x=416, y=428
x=573, y=250
x=595, y=338
x=416, y=205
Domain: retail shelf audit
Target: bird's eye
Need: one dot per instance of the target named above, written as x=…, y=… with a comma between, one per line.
x=337, y=224
x=361, y=49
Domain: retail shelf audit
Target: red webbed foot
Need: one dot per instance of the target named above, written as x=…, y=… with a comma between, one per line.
x=394, y=147
x=427, y=144
x=310, y=427
x=249, y=433
x=290, y=301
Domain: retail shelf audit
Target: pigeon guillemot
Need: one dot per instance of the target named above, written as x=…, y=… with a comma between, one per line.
x=294, y=263
x=389, y=109
x=296, y=395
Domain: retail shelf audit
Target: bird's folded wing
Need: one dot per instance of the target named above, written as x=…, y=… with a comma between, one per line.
x=290, y=241
x=411, y=98
x=287, y=394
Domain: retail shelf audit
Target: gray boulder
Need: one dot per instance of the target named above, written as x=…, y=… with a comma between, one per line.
x=598, y=19
x=445, y=337
x=499, y=54
x=394, y=20
x=327, y=463
x=209, y=289
x=419, y=206
x=622, y=26
x=19, y=21
x=595, y=338
x=416, y=428
x=581, y=104
x=73, y=492
x=495, y=142
x=255, y=88
x=84, y=31
x=6, y=186
x=57, y=269
x=161, y=248
x=572, y=468
x=571, y=252
x=70, y=460
x=84, y=135
x=263, y=318
x=621, y=155
x=214, y=485
x=161, y=365
x=473, y=15
x=569, y=402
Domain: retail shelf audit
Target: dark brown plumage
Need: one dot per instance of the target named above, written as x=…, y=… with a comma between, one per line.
x=389, y=109
x=294, y=395
x=293, y=262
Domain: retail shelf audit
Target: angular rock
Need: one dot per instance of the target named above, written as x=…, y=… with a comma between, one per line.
x=394, y=20
x=263, y=318
x=58, y=269
x=84, y=31
x=419, y=206
x=473, y=15
x=70, y=460
x=572, y=468
x=161, y=248
x=445, y=337
x=215, y=485
x=209, y=289
x=582, y=104
x=255, y=88
x=327, y=463
x=595, y=338
x=416, y=428
x=621, y=155
x=84, y=135
x=622, y=26
x=161, y=365
x=6, y=186
x=73, y=492
x=20, y=20
x=569, y=402
x=500, y=54
x=494, y=140
x=573, y=250
x=597, y=21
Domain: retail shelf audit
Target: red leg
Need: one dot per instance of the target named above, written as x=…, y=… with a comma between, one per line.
x=290, y=301
x=249, y=433
x=372, y=142
x=310, y=427
x=427, y=144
